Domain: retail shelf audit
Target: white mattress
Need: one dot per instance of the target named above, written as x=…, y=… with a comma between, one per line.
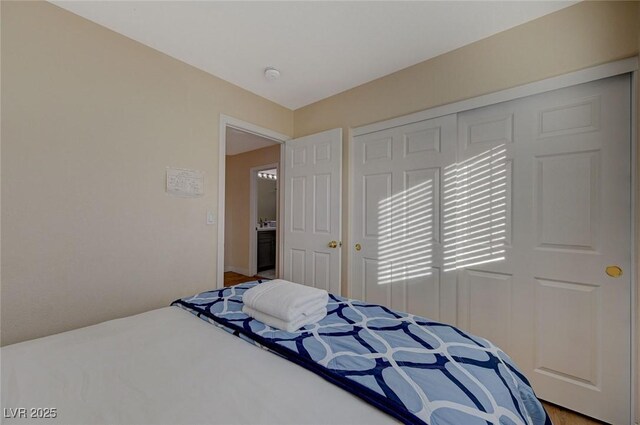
x=168, y=367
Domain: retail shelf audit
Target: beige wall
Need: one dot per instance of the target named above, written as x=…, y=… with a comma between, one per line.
x=90, y=120
x=237, y=214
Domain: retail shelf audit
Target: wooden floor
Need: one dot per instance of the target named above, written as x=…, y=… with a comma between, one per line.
x=561, y=416
x=558, y=415
x=232, y=278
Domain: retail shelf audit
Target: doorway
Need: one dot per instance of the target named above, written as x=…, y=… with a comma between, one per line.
x=245, y=151
x=263, y=237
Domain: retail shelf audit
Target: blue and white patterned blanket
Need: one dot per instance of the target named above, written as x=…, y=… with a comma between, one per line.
x=416, y=370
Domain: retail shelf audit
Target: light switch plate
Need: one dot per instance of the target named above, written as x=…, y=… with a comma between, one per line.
x=211, y=218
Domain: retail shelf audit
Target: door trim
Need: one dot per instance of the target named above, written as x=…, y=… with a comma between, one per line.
x=611, y=69
x=635, y=242
x=228, y=121
x=253, y=216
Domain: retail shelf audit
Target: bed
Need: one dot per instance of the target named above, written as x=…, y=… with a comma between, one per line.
x=172, y=366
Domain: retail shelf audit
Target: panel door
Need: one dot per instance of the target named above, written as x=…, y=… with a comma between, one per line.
x=536, y=284
x=397, y=217
x=518, y=213
x=312, y=213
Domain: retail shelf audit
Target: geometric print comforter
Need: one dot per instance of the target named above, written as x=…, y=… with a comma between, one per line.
x=414, y=369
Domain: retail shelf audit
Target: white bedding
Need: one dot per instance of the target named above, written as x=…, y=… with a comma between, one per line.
x=168, y=367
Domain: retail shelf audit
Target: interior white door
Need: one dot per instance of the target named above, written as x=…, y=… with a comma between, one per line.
x=575, y=216
x=534, y=206
x=396, y=197
x=312, y=213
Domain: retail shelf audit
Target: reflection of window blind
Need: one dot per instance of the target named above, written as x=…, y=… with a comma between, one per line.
x=474, y=225
x=405, y=223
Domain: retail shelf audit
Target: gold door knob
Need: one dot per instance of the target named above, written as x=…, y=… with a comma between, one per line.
x=333, y=244
x=614, y=271
x=358, y=247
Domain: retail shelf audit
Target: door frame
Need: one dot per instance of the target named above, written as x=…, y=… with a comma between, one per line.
x=253, y=215
x=611, y=69
x=238, y=124
x=635, y=243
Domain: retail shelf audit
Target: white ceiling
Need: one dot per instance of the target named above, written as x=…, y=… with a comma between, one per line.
x=321, y=48
x=240, y=141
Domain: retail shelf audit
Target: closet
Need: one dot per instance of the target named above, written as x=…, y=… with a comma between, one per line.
x=512, y=222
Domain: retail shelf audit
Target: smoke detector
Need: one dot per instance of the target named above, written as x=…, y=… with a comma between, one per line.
x=271, y=74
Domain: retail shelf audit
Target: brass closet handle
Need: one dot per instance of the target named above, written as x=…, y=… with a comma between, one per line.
x=614, y=271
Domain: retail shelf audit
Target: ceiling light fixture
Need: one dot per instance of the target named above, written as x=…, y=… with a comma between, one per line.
x=271, y=73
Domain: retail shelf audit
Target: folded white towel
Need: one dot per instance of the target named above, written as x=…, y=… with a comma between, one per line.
x=290, y=326
x=285, y=300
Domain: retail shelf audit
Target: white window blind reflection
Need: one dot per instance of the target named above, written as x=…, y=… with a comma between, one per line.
x=474, y=220
x=475, y=210
x=406, y=231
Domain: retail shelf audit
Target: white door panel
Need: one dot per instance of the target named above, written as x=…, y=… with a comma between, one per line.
x=397, y=200
x=580, y=215
x=502, y=220
x=313, y=173
x=555, y=311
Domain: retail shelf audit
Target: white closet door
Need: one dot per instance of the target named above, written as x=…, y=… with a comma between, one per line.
x=312, y=213
x=397, y=226
x=560, y=160
x=577, y=222
x=534, y=210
